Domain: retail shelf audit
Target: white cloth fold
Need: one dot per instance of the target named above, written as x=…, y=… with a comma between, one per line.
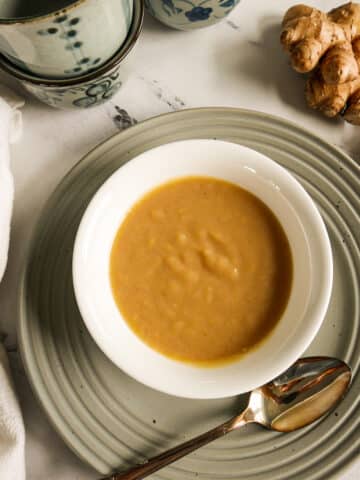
x=10, y=131
x=12, y=435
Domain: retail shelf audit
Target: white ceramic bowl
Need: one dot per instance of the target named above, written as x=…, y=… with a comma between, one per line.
x=296, y=212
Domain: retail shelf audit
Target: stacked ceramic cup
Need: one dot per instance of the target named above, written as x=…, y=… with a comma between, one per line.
x=68, y=53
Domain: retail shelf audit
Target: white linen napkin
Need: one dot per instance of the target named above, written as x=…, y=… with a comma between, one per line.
x=12, y=434
x=10, y=130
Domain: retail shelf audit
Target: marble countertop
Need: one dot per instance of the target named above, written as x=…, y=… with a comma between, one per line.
x=238, y=62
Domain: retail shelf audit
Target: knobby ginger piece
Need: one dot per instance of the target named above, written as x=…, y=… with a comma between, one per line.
x=328, y=46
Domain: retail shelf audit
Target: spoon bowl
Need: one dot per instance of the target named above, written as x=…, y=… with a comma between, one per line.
x=309, y=389
x=301, y=395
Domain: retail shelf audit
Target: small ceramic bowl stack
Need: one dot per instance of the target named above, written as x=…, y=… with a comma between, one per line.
x=68, y=54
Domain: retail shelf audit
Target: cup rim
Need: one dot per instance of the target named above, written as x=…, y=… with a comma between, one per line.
x=125, y=48
x=42, y=17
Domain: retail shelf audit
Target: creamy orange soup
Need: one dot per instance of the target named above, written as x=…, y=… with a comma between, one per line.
x=201, y=270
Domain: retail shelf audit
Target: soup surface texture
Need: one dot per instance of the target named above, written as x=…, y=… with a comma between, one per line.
x=201, y=270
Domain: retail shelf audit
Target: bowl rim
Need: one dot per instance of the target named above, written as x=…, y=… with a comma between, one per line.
x=317, y=312
x=114, y=61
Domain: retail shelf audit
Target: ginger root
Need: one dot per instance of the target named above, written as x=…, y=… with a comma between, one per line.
x=328, y=46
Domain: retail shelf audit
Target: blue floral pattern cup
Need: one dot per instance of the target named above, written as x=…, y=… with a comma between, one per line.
x=68, y=42
x=88, y=90
x=190, y=14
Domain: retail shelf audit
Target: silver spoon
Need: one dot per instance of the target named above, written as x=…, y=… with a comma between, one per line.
x=305, y=392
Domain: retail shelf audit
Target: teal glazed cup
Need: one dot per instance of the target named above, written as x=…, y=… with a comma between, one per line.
x=88, y=90
x=190, y=14
x=62, y=38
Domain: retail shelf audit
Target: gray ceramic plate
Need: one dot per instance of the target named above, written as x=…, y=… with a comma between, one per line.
x=110, y=420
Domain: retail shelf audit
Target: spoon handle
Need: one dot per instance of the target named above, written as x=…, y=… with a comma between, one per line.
x=156, y=463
